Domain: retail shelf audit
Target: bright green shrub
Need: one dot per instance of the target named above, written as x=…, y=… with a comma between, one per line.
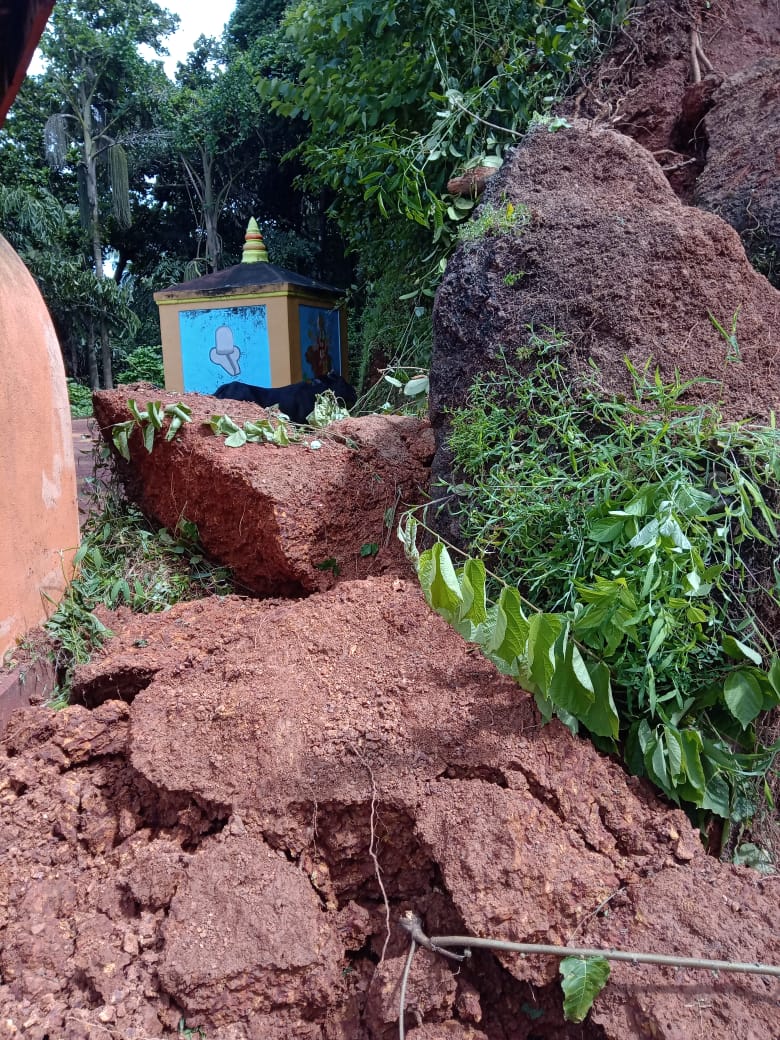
x=631, y=555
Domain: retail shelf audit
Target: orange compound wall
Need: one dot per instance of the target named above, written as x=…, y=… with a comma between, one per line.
x=39, y=528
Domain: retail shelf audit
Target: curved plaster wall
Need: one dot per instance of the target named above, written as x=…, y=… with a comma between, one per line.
x=39, y=526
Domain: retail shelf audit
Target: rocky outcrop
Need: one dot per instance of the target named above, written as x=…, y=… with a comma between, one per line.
x=287, y=521
x=215, y=847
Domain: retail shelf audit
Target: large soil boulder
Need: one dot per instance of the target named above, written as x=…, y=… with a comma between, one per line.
x=613, y=261
x=287, y=520
x=218, y=846
x=741, y=179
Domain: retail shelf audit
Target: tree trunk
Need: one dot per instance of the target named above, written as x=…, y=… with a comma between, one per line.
x=90, y=163
x=211, y=204
x=94, y=380
x=105, y=356
x=210, y=215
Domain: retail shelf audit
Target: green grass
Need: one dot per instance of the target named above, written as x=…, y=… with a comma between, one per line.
x=124, y=560
x=80, y=398
x=646, y=530
x=506, y=219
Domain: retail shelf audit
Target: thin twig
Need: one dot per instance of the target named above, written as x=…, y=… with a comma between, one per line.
x=595, y=913
x=479, y=119
x=679, y=165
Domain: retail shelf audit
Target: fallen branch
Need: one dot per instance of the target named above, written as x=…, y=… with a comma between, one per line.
x=411, y=923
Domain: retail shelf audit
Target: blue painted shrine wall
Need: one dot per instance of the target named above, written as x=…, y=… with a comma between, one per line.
x=223, y=344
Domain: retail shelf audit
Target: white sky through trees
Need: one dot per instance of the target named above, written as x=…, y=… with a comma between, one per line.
x=196, y=18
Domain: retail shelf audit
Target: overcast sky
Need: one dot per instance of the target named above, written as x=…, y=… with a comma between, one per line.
x=196, y=18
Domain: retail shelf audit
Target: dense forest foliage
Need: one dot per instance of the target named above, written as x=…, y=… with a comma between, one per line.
x=336, y=123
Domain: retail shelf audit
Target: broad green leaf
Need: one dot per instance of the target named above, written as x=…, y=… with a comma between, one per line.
x=544, y=704
x=690, y=501
x=439, y=581
x=580, y=669
x=567, y=692
x=658, y=633
x=504, y=634
x=543, y=630
x=136, y=413
x=154, y=410
x=236, y=439
x=407, y=534
x=472, y=586
x=743, y=696
x=606, y=530
x=223, y=424
x=149, y=432
x=582, y=979
x=639, y=505
x=120, y=435
x=280, y=436
x=671, y=531
x=183, y=411
x=634, y=751
x=416, y=385
x=740, y=651
x=692, y=750
x=717, y=794
x=173, y=428
x=656, y=764
x=653, y=576
x=751, y=855
x=647, y=535
x=674, y=750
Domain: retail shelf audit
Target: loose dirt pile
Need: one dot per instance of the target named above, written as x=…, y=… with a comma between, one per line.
x=225, y=831
x=205, y=847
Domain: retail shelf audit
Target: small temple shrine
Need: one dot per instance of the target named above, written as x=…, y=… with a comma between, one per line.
x=254, y=322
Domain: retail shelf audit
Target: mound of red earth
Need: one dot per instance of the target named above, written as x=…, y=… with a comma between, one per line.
x=211, y=836
x=613, y=262
x=287, y=521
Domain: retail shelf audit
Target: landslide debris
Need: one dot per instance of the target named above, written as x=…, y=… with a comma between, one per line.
x=287, y=520
x=205, y=852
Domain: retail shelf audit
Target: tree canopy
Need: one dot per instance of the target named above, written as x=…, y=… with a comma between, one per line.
x=337, y=125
